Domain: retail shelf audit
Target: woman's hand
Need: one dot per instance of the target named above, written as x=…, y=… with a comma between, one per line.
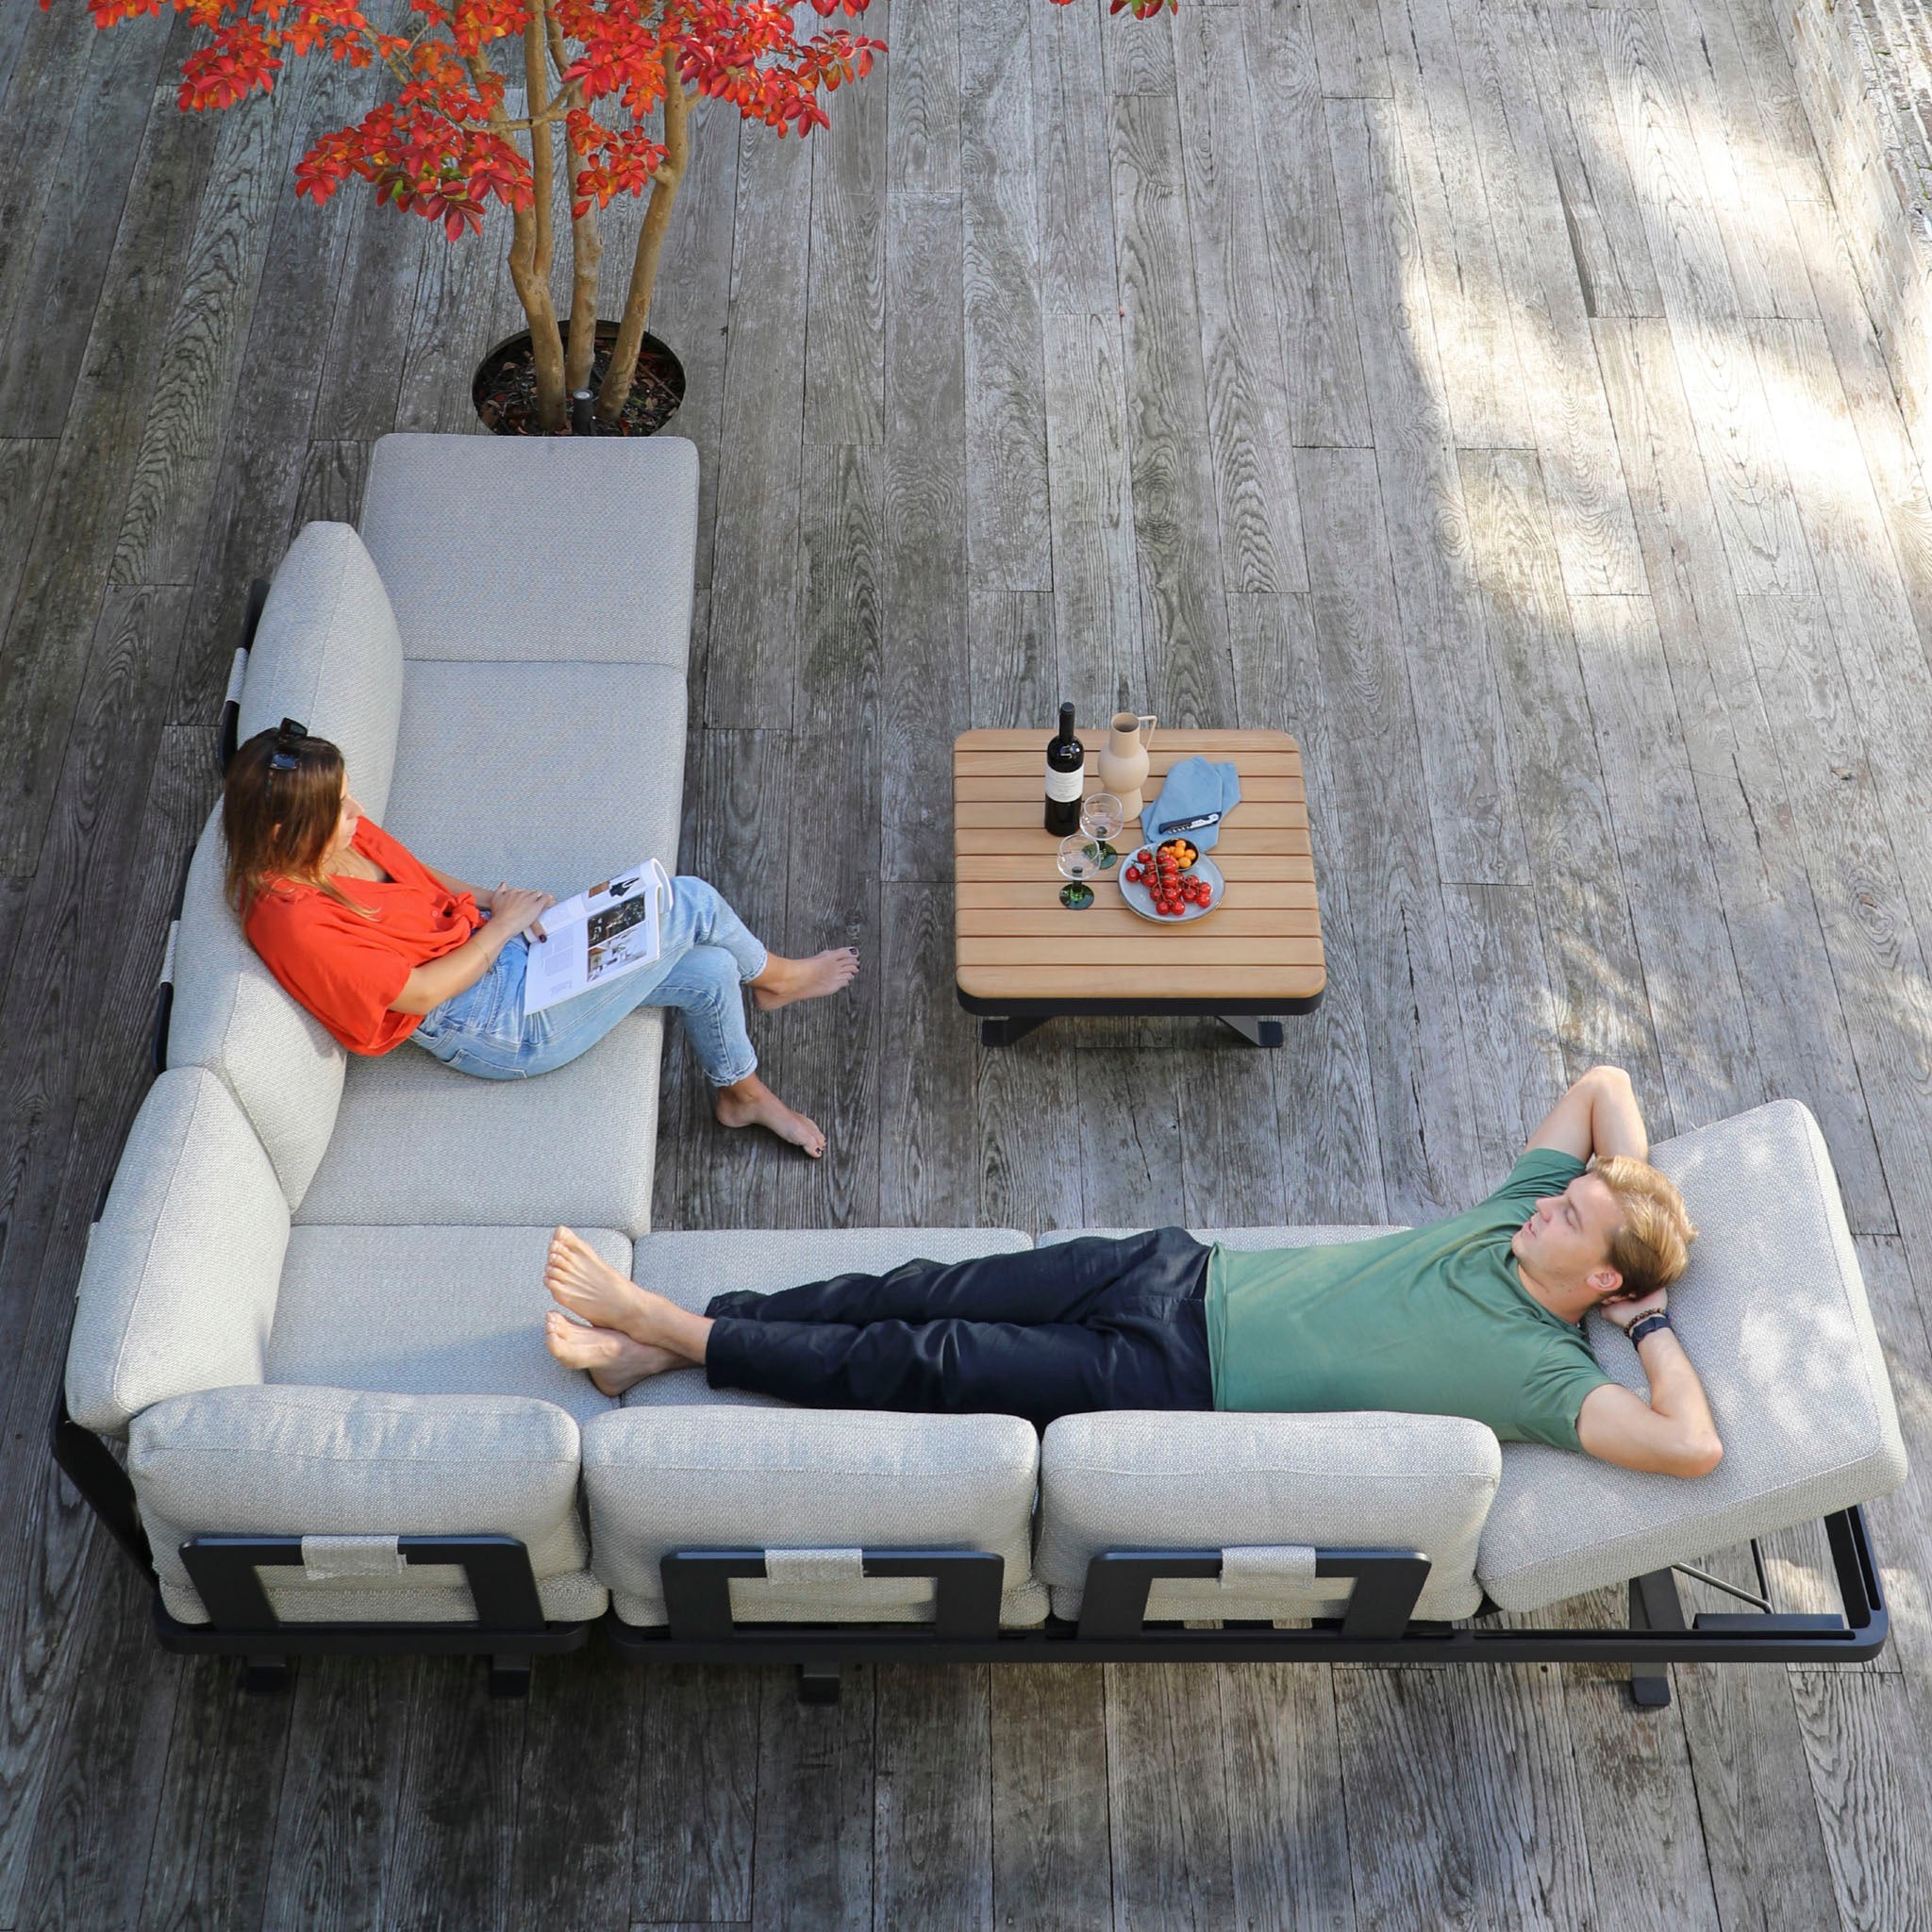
x=515, y=910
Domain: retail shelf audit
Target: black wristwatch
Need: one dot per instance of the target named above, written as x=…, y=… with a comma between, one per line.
x=1647, y=1324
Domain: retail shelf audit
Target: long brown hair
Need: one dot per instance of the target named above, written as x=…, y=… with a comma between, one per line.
x=278, y=823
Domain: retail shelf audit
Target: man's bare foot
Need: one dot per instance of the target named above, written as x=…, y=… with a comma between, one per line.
x=749, y=1103
x=613, y=1361
x=785, y=980
x=587, y=1284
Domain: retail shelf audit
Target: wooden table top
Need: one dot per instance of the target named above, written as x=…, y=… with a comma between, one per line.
x=1015, y=941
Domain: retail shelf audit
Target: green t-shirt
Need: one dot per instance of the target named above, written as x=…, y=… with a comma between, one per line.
x=1432, y=1320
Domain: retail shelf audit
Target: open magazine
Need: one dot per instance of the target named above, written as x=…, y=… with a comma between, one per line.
x=607, y=930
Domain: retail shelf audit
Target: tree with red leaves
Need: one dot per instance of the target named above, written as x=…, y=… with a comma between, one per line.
x=602, y=74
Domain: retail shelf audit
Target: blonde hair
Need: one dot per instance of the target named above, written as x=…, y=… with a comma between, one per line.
x=1652, y=1247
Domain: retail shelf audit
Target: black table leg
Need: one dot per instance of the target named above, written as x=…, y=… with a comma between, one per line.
x=1002, y=1032
x=1257, y=1032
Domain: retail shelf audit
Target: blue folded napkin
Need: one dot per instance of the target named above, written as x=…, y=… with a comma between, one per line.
x=1194, y=799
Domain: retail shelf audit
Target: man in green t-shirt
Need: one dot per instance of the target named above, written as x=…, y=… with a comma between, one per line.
x=1475, y=1316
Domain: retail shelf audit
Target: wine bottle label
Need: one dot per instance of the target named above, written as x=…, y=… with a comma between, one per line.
x=1064, y=788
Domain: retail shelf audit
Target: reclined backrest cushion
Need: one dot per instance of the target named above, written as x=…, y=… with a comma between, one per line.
x=613, y=520
x=1147, y=1480
x=339, y=1462
x=328, y=653
x=179, y=1289
x=1774, y=1315
x=231, y=1017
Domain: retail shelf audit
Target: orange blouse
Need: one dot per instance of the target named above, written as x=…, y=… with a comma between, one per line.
x=347, y=969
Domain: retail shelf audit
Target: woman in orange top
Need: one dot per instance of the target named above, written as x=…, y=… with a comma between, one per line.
x=382, y=948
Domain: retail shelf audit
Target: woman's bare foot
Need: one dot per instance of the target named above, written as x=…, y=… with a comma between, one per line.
x=613, y=1361
x=749, y=1103
x=785, y=980
x=586, y=1283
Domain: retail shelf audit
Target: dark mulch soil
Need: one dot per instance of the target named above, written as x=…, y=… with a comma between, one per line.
x=506, y=388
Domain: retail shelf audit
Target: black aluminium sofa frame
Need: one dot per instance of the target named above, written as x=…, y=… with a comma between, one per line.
x=1376, y=1626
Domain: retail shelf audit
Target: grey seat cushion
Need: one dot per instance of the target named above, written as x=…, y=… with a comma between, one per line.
x=546, y=774
x=328, y=653
x=418, y=1143
x=339, y=1462
x=177, y=1292
x=691, y=1268
x=1773, y=1312
x=599, y=571
x=427, y=1311
x=231, y=1016
x=797, y=1480
x=1143, y=1479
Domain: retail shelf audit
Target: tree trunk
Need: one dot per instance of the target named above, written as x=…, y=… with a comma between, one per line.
x=531, y=243
x=586, y=248
x=644, y=275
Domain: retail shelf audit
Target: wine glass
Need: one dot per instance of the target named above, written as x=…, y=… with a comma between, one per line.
x=1078, y=861
x=1102, y=819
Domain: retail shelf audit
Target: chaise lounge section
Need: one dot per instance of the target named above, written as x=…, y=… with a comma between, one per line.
x=311, y=1308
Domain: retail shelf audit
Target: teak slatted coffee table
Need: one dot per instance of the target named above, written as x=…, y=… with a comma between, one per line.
x=1022, y=958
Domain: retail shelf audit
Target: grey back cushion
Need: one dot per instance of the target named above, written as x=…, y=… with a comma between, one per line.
x=328, y=654
x=1245, y=1484
x=1773, y=1312
x=179, y=1289
x=614, y=522
x=231, y=1016
x=332, y=1462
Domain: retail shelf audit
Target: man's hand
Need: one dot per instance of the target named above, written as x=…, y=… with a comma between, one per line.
x=1624, y=1311
x=1598, y=1115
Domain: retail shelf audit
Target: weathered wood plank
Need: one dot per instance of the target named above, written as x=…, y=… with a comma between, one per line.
x=1008, y=516
x=1285, y=1805
x=1797, y=1021
x=1543, y=283
x=925, y=683
x=1166, y=1796
x=1331, y=1151
x=1502, y=1841
x=1486, y=405
x=1581, y=893
x=845, y=304
x=754, y=580
x=1072, y=169
x=697, y=1790
x=1301, y=227
x=815, y=1858
x=1249, y=430
x=1471, y=800
x=1790, y=151
x=25, y=466
x=54, y=256
x=455, y=1831
x=1050, y=1864
x=329, y=1865
x=1096, y=597
x=922, y=78
x=928, y=1154
x=1352, y=56
x=67, y=564
x=1379, y=840
x=1140, y=56
x=1176, y=536
x=932, y=1803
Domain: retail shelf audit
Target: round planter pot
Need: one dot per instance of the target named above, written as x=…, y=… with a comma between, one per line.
x=505, y=389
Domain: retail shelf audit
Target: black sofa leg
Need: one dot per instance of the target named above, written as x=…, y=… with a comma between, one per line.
x=510, y=1677
x=818, y=1683
x=267, y=1676
x=1654, y=1606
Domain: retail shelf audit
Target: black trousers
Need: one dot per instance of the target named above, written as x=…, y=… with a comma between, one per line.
x=1053, y=1331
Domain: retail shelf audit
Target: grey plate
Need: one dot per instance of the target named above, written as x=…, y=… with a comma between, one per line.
x=1142, y=901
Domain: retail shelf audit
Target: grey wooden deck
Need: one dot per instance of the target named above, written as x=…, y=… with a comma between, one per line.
x=1477, y=390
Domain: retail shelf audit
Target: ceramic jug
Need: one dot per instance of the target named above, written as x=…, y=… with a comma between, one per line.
x=1124, y=759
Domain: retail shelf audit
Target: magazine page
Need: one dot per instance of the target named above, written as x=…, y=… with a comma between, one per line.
x=605, y=932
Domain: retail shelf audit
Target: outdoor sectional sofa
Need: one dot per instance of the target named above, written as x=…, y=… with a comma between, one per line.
x=311, y=1305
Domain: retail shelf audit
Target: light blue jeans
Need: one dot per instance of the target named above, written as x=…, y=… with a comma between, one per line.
x=709, y=954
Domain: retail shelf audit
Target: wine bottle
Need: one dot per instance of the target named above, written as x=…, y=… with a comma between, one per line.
x=1065, y=778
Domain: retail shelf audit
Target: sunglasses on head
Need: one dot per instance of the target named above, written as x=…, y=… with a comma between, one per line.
x=285, y=758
